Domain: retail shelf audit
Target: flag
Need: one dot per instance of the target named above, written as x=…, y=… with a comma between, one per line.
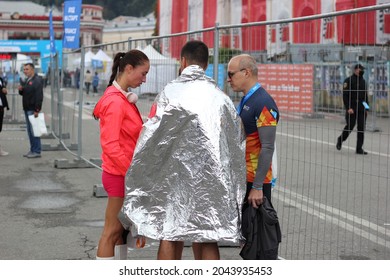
x=72, y=12
x=51, y=32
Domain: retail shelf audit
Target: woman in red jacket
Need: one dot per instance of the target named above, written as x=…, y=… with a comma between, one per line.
x=120, y=126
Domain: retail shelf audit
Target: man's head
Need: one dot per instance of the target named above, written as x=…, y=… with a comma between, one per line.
x=359, y=70
x=194, y=53
x=242, y=73
x=28, y=70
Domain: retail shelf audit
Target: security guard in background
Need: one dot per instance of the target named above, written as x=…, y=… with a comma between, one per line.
x=356, y=105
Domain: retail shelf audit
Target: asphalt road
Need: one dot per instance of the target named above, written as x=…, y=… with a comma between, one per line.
x=331, y=204
x=47, y=213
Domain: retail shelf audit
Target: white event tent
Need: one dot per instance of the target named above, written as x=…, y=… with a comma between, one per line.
x=162, y=70
x=102, y=63
x=87, y=60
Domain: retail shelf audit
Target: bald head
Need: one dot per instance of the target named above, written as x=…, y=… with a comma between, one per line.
x=245, y=61
x=242, y=72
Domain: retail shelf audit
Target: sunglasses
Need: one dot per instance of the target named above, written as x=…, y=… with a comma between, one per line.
x=231, y=74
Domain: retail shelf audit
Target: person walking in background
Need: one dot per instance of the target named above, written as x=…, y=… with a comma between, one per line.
x=260, y=116
x=356, y=106
x=5, y=78
x=188, y=180
x=95, y=82
x=77, y=77
x=3, y=106
x=32, y=91
x=120, y=126
x=88, y=80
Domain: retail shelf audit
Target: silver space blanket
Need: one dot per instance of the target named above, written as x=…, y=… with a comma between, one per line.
x=187, y=179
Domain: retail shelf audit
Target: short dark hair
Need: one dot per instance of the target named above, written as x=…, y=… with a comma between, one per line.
x=29, y=64
x=359, y=66
x=196, y=52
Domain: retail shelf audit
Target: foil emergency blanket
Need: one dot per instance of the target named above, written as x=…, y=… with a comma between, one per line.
x=187, y=178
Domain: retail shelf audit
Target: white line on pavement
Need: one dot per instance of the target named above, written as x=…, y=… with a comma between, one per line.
x=327, y=143
x=312, y=205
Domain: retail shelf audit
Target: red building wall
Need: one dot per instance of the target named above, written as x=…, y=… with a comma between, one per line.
x=209, y=19
x=254, y=38
x=348, y=29
x=306, y=32
x=358, y=28
x=386, y=20
x=179, y=24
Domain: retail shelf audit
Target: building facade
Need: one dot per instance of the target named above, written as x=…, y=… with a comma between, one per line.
x=368, y=28
x=123, y=28
x=30, y=21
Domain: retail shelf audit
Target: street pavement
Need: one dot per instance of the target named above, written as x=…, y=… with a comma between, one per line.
x=49, y=213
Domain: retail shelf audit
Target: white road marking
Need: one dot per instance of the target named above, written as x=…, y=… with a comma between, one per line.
x=333, y=215
x=328, y=143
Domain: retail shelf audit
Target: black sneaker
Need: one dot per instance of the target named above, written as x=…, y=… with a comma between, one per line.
x=338, y=145
x=361, y=152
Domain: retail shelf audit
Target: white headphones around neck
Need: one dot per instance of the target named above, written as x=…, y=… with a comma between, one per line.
x=131, y=96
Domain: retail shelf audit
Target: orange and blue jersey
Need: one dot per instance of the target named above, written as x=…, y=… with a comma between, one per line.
x=259, y=110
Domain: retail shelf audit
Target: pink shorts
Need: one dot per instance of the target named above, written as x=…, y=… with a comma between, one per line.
x=113, y=184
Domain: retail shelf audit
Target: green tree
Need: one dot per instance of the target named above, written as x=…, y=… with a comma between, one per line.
x=224, y=55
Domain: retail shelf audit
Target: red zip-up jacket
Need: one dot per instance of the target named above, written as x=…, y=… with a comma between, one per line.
x=120, y=126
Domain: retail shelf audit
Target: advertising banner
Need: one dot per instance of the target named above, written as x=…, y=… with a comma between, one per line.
x=33, y=46
x=72, y=12
x=51, y=33
x=290, y=85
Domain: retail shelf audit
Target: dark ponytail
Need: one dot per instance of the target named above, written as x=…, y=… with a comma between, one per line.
x=132, y=57
x=115, y=66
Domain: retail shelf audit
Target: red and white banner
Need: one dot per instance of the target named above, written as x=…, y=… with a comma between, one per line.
x=367, y=28
x=382, y=24
x=290, y=85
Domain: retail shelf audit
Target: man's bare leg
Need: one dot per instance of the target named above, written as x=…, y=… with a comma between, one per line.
x=170, y=250
x=197, y=250
x=205, y=251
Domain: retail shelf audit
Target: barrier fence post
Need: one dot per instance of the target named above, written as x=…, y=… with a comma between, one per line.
x=129, y=43
x=216, y=51
x=372, y=126
x=80, y=119
x=59, y=95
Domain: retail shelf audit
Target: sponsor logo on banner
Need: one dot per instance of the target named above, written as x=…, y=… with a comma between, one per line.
x=72, y=12
x=51, y=32
x=290, y=85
